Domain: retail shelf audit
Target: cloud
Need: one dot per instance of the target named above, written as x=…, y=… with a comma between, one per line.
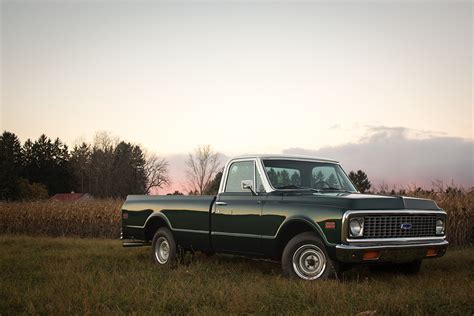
x=401, y=156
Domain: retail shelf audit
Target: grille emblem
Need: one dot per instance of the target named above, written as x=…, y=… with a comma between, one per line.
x=406, y=226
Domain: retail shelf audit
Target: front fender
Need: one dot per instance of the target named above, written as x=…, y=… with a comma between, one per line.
x=307, y=221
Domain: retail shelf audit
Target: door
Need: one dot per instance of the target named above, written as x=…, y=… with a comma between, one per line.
x=236, y=216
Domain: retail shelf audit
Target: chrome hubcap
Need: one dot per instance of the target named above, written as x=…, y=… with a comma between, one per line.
x=162, y=250
x=309, y=262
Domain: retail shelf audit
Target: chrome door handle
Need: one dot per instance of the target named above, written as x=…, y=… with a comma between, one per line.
x=221, y=203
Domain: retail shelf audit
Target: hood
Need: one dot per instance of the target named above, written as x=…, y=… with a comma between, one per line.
x=359, y=201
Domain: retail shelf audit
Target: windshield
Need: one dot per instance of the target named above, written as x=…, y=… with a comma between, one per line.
x=301, y=175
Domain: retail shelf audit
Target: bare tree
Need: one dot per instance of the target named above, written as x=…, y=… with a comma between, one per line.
x=102, y=158
x=156, y=171
x=105, y=141
x=202, y=167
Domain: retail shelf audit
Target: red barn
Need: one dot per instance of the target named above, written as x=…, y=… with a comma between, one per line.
x=72, y=196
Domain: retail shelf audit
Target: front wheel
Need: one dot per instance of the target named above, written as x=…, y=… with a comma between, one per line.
x=164, y=248
x=305, y=257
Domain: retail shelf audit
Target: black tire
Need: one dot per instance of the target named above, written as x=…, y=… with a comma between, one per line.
x=305, y=257
x=164, y=250
x=410, y=267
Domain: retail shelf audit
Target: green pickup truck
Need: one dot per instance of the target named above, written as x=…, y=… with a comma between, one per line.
x=302, y=211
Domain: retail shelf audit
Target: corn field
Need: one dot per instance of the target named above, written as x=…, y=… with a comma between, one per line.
x=459, y=204
x=94, y=218
x=101, y=218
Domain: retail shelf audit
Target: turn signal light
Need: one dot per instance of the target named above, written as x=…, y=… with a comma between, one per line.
x=371, y=255
x=431, y=252
x=330, y=225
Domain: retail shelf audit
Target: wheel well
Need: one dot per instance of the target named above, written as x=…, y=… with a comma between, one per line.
x=152, y=226
x=289, y=231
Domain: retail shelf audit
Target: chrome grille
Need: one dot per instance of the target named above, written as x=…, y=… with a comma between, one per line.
x=390, y=226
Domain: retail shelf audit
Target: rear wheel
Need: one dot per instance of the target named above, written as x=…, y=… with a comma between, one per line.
x=164, y=248
x=305, y=257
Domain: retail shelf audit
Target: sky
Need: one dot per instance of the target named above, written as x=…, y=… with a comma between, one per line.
x=346, y=79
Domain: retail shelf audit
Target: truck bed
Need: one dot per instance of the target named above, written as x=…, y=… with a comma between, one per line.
x=187, y=216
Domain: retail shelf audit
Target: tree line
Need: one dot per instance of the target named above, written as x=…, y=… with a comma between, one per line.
x=108, y=167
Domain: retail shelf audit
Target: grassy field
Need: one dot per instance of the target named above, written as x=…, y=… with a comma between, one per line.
x=41, y=275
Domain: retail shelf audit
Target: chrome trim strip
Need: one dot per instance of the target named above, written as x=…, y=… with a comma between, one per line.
x=345, y=228
x=181, y=230
x=366, y=240
x=260, y=168
x=353, y=247
x=155, y=214
x=134, y=226
x=134, y=243
x=235, y=234
x=287, y=157
x=176, y=229
x=263, y=176
x=257, y=168
x=315, y=226
x=306, y=221
x=226, y=172
x=272, y=189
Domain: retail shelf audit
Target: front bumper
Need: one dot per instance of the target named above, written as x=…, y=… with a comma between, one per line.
x=396, y=253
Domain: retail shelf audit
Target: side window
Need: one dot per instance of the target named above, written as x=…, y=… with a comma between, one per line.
x=238, y=171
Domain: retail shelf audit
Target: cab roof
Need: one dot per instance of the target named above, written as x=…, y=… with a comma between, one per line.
x=284, y=156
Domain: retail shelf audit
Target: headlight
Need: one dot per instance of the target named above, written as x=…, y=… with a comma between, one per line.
x=440, y=226
x=356, y=226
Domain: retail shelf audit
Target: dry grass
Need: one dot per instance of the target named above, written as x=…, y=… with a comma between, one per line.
x=94, y=219
x=63, y=276
x=101, y=218
x=459, y=204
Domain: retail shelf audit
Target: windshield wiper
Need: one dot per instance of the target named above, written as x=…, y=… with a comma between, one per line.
x=296, y=188
x=299, y=188
x=335, y=189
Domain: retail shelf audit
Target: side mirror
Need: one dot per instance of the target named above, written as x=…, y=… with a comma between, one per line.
x=247, y=185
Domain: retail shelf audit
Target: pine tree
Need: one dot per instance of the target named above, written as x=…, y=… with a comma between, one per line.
x=128, y=171
x=318, y=179
x=80, y=163
x=49, y=164
x=360, y=180
x=332, y=182
x=295, y=178
x=285, y=177
x=10, y=165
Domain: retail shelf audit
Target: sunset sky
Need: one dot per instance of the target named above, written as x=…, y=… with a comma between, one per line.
x=381, y=86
